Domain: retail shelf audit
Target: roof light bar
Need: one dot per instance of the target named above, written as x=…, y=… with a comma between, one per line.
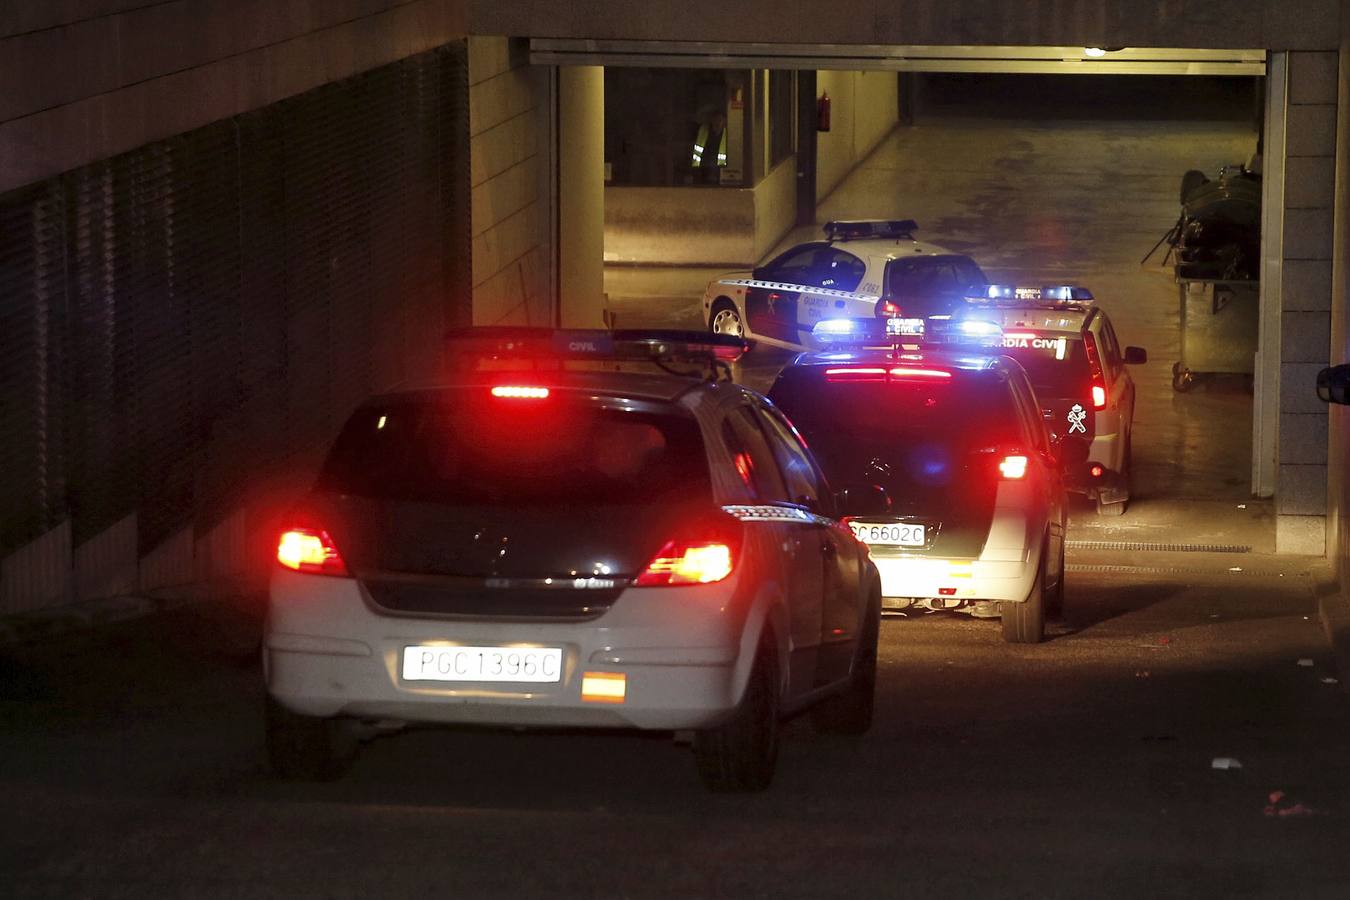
x=853, y=229
x=849, y=331
x=980, y=328
x=504, y=348
x=1055, y=294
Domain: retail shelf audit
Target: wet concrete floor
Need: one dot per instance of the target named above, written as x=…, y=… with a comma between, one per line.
x=1048, y=201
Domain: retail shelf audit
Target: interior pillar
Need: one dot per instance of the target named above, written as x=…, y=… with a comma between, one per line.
x=580, y=139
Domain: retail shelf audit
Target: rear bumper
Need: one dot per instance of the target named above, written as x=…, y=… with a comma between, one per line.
x=1112, y=485
x=327, y=653
x=915, y=577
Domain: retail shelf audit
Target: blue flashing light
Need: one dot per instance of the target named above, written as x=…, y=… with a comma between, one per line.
x=837, y=327
x=1009, y=293
x=981, y=328
x=847, y=331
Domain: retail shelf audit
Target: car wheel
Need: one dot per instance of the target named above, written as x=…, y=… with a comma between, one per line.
x=726, y=319
x=1111, y=510
x=1024, y=623
x=740, y=754
x=307, y=748
x=851, y=711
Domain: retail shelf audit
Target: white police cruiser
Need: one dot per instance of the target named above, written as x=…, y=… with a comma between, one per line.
x=953, y=434
x=863, y=268
x=1070, y=352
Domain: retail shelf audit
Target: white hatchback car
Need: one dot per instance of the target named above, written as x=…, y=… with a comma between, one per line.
x=570, y=548
x=864, y=268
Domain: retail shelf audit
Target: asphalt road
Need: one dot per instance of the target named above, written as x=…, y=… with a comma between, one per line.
x=131, y=765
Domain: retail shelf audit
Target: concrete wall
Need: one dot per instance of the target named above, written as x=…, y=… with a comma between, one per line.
x=1338, y=450
x=1275, y=24
x=680, y=225
x=581, y=197
x=85, y=80
x=864, y=110
x=509, y=173
x=1305, y=291
x=700, y=225
x=775, y=206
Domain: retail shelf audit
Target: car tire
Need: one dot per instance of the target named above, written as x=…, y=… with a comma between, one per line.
x=1024, y=623
x=851, y=711
x=725, y=318
x=740, y=755
x=307, y=748
x=1111, y=510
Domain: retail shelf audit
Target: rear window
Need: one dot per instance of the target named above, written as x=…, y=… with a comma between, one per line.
x=1053, y=372
x=928, y=275
x=467, y=447
x=897, y=425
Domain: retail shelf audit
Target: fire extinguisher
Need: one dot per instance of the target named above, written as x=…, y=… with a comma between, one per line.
x=823, y=112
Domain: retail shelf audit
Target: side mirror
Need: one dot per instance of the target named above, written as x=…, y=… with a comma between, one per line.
x=1333, y=385
x=1135, y=356
x=1071, y=451
x=862, y=500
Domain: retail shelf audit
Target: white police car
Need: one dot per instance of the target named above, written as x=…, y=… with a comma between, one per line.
x=955, y=438
x=529, y=545
x=1070, y=352
x=862, y=269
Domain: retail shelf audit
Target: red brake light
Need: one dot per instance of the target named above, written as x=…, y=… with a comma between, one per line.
x=855, y=373
x=1095, y=364
x=1097, y=470
x=902, y=372
x=1013, y=467
x=704, y=556
x=520, y=392
x=887, y=309
x=312, y=551
x=868, y=373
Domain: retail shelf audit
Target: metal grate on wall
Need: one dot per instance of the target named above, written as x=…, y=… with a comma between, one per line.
x=186, y=320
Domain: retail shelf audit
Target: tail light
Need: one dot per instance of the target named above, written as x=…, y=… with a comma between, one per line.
x=911, y=372
x=701, y=556
x=520, y=392
x=887, y=309
x=868, y=373
x=1095, y=364
x=312, y=551
x=855, y=373
x=1013, y=467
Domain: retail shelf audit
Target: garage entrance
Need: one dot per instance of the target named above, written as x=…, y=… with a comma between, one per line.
x=1039, y=178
